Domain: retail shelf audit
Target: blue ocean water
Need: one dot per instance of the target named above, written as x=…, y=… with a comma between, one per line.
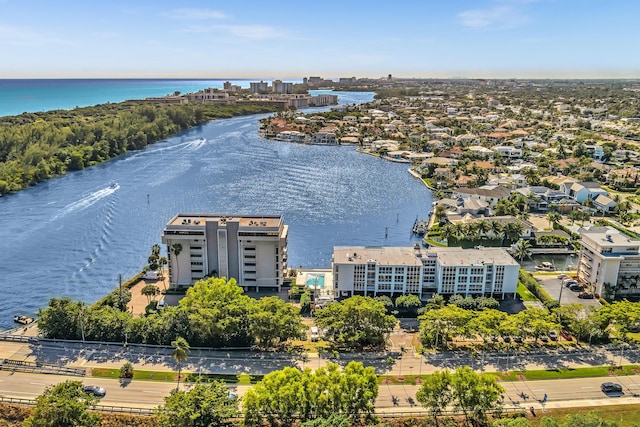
x=34, y=95
x=75, y=234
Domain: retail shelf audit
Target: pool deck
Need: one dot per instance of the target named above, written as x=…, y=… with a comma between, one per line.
x=308, y=276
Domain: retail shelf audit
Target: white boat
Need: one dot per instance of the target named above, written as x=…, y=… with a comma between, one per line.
x=23, y=320
x=545, y=266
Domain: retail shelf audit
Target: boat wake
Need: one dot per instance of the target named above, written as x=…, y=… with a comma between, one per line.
x=88, y=200
x=186, y=146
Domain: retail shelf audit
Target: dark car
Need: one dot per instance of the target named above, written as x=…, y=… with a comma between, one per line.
x=585, y=295
x=609, y=387
x=95, y=390
x=544, y=338
x=517, y=338
x=570, y=284
x=506, y=338
x=576, y=288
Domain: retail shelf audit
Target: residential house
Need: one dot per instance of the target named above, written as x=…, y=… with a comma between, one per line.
x=581, y=191
x=488, y=193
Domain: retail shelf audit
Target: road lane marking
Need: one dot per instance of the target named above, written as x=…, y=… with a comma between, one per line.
x=587, y=387
x=150, y=391
x=37, y=383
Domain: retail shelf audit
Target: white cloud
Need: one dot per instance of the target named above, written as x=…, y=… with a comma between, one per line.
x=500, y=17
x=26, y=36
x=197, y=14
x=248, y=32
x=253, y=32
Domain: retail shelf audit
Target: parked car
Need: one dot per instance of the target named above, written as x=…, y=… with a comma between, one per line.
x=568, y=279
x=570, y=283
x=566, y=335
x=315, y=333
x=517, y=338
x=576, y=288
x=506, y=338
x=585, y=295
x=161, y=305
x=544, y=338
x=553, y=335
x=151, y=275
x=610, y=387
x=494, y=338
x=95, y=390
x=562, y=276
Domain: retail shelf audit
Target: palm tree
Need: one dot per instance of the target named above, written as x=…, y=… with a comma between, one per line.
x=523, y=250
x=150, y=291
x=553, y=217
x=180, y=354
x=484, y=227
x=448, y=232
x=441, y=213
x=513, y=231
x=176, y=248
x=496, y=228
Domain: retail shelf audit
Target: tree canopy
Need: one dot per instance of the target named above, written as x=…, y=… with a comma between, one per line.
x=202, y=406
x=64, y=404
x=356, y=322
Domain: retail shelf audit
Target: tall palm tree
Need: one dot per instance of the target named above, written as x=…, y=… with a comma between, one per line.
x=176, y=248
x=513, y=231
x=483, y=227
x=553, y=217
x=180, y=354
x=523, y=250
x=496, y=228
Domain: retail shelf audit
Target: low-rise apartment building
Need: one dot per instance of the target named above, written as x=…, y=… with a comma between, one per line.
x=394, y=271
x=610, y=263
x=250, y=249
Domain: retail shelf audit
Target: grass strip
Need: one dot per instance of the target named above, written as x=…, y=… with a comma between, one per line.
x=525, y=293
x=137, y=374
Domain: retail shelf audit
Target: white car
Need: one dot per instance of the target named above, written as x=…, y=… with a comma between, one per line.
x=315, y=333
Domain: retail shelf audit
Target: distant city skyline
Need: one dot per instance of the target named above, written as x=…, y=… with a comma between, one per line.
x=331, y=39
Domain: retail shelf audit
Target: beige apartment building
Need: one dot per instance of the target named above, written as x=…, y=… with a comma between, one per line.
x=610, y=263
x=394, y=271
x=251, y=249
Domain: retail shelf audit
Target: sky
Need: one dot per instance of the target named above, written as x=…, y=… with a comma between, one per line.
x=328, y=38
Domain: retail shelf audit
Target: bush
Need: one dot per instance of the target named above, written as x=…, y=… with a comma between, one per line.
x=126, y=371
x=534, y=287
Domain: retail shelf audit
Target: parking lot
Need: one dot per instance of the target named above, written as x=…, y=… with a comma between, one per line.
x=553, y=285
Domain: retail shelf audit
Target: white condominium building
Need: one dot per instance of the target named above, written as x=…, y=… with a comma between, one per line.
x=394, y=271
x=610, y=263
x=250, y=249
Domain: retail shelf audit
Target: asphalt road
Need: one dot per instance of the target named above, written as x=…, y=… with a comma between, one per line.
x=150, y=394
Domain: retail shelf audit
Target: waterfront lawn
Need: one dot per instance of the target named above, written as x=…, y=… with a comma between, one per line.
x=525, y=293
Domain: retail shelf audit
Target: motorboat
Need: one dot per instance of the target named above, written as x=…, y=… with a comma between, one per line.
x=114, y=185
x=23, y=320
x=545, y=266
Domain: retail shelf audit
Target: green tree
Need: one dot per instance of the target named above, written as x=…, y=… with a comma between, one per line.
x=475, y=394
x=512, y=231
x=409, y=303
x=592, y=419
x=150, y=290
x=176, y=249
x=439, y=325
x=62, y=319
x=64, y=404
x=486, y=323
x=522, y=250
x=334, y=420
x=203, y=405
x=553, y=218
x=356, y=322
x=436, y=394
x=512, y=422
x=180, y=354
x=218, y=313
x=275, y=321
x=126, y=370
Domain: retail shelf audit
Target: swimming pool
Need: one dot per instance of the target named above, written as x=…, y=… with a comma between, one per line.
x=315, y=280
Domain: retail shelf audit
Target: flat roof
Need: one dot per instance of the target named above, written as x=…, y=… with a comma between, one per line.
x=459, y=256
x=395, y=255
x=244, y=221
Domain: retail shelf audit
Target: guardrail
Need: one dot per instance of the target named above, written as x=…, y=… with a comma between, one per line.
x=101, y=408
x=39, y=367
